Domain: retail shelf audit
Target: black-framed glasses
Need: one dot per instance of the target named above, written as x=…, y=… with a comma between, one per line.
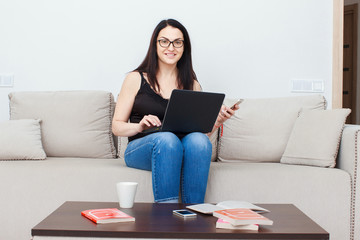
x=177, y=43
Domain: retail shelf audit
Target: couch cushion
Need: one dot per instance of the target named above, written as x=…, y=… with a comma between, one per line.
x=260, y=129
x=21, y=140
x=315, y=191
x=34, y=189
x=315, y=138
x=74, y=123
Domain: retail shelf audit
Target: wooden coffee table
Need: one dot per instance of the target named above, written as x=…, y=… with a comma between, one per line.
x=157, y=221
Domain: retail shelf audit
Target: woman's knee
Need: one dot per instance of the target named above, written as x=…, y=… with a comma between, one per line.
x=169, y=142
x=198, y=140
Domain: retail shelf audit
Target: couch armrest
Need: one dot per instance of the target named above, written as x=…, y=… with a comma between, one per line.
x=348, y=160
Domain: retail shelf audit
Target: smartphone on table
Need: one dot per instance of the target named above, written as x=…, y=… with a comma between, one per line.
x=184, y=213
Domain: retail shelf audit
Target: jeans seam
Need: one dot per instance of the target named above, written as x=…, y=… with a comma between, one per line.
x=154, y=174
x=127, y=153
x=153, y=165
x=167, y=199
x=182, y=186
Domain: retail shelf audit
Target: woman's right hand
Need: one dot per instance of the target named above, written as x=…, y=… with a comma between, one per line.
x=149, y=121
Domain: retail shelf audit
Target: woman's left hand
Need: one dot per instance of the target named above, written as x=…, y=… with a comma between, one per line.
x=224, y=114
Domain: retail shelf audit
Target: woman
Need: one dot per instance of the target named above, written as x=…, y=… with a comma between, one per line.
x=176, y=162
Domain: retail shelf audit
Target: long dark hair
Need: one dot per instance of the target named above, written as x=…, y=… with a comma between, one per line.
x=186, y=74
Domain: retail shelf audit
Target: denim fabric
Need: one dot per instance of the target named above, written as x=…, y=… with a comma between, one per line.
x=175, y=164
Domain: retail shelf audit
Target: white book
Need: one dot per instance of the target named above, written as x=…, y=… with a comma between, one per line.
x=208, y=208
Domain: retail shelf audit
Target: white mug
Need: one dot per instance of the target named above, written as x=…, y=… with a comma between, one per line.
x=126, y=192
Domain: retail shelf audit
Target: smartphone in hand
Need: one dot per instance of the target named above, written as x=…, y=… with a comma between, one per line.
x=237, y=103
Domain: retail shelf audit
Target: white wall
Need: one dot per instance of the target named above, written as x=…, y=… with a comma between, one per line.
x=243, y=48
x=349, y=2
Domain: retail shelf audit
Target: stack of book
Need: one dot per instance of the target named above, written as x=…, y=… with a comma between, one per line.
x=240, y=218
x=235, y=214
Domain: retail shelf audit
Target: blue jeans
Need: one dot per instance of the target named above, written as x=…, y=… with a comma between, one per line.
x=174, y=164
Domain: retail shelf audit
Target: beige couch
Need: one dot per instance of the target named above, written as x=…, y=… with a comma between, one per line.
x=81, y=163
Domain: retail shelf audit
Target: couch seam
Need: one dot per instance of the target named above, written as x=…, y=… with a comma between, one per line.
x=353, y=190
x=217, y=148
x=338, y=144
x=324, y=102
x=22, y=159
x=118, y=147
x=220, y=129
x=112, y=147
x=10, y=97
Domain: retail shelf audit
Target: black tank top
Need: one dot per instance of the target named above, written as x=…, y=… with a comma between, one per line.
x=147, y=101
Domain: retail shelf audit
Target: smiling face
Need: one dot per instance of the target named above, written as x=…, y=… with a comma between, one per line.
x=170, y=55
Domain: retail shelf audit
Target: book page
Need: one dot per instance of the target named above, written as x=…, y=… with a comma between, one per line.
x=206, y=208
x=241, y=204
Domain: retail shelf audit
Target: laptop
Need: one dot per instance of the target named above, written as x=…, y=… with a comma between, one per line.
x=190, y=111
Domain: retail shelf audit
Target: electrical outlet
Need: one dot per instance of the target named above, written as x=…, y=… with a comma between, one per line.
x=7, y=80
x=307, y=85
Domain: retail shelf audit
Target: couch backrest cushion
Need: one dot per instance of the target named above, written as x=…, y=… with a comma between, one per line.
x=315, y=138
x=260, y=129
x=74, y=123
